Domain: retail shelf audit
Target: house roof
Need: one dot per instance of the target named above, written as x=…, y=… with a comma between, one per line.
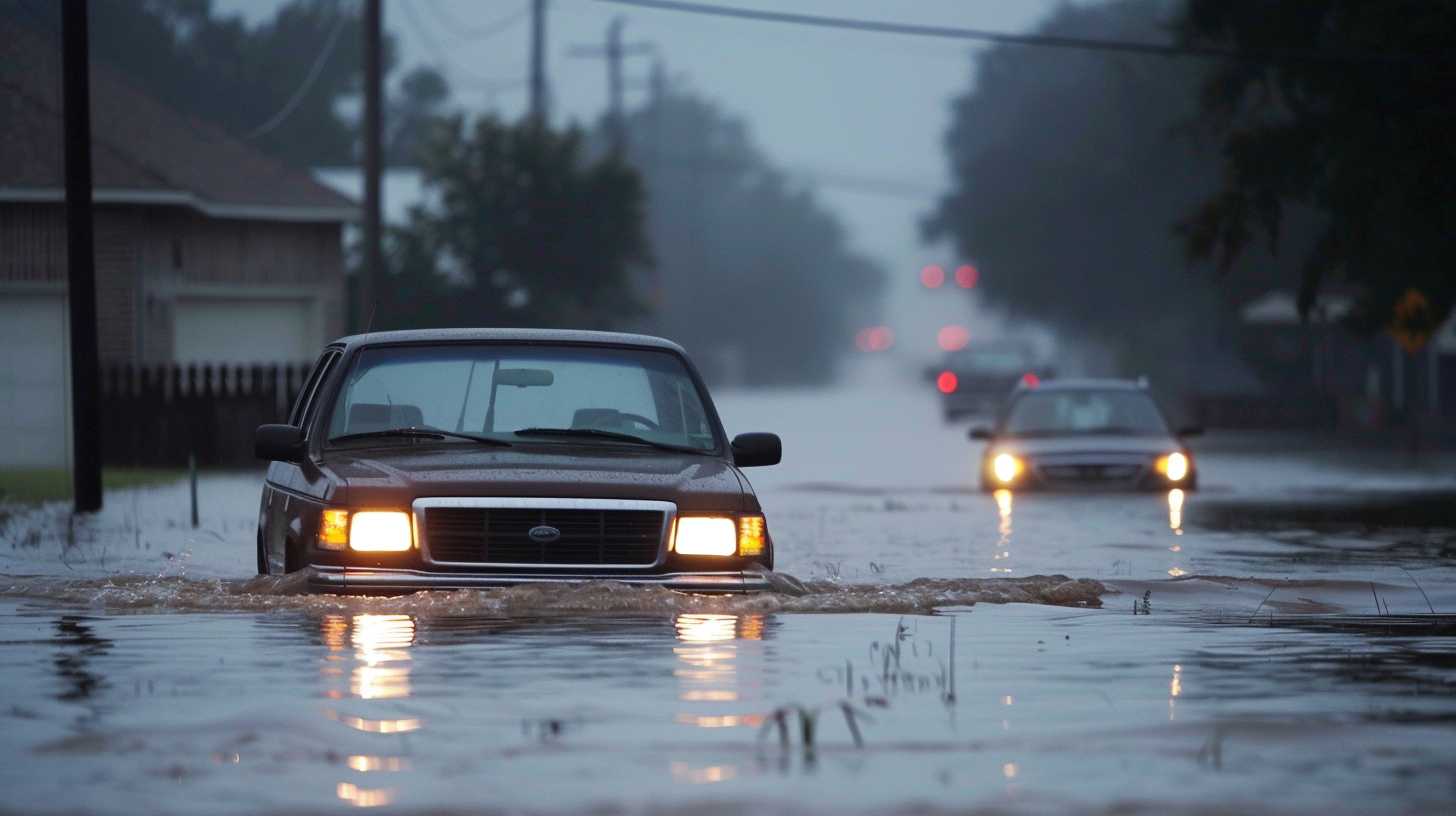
x=143, y=152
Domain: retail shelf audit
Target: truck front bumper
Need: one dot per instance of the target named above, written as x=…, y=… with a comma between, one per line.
x=369, y=581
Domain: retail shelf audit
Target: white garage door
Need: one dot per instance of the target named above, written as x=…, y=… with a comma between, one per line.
x=34, y=380
x=223, y=330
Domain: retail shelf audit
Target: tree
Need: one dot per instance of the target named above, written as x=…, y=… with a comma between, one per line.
x=1070, y=170
x=413, y=113
x=521, y=230
x=753, y=275
x=1342, y=107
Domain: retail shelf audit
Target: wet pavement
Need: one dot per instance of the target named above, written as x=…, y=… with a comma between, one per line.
x=1268, y=643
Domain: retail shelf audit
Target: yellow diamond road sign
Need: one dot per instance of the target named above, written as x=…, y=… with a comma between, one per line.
x=1413, y=321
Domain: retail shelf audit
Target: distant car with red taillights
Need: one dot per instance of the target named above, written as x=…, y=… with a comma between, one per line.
x=975, y=380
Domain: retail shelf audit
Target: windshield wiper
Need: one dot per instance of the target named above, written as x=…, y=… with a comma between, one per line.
x=420, y=433
x=592, y=433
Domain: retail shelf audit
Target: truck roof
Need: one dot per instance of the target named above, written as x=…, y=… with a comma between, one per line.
x=488, y=335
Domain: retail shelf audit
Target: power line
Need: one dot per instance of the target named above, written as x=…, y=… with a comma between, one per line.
x=449, y=68
x=484, y=32
x=1006, y=38
x=298, y=94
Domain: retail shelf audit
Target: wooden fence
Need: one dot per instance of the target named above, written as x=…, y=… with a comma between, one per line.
x=155, y=416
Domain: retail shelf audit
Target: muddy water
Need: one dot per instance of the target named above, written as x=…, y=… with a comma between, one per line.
x=1284, y=655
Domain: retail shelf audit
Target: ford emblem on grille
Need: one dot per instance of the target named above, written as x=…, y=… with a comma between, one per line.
x=543, y=534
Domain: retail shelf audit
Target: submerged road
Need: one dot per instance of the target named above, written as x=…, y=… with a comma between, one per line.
x=1289, y=661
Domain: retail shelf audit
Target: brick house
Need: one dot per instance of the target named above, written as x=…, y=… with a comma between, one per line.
x=206, y=250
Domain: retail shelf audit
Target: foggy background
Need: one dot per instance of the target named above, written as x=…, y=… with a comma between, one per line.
x=856, y=120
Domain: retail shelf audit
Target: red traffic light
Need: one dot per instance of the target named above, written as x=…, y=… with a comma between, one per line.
x=947, y=382
x=967, y=276
x=932, y=277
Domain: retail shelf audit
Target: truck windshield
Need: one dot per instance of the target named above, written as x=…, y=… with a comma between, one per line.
x=1051, y=413
x=497, y=389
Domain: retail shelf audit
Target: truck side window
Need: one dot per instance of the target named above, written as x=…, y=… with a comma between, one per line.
x=305, y=397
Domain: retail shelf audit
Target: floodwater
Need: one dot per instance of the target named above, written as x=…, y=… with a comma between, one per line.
x=1270, y=643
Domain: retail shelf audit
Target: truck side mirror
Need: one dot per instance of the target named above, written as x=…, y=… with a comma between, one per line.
x=757, y=449
x=278, y=443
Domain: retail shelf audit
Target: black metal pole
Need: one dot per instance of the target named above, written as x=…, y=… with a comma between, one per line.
x=372, y=273
x=538, y=62
x=614, y=85
x=81, y=260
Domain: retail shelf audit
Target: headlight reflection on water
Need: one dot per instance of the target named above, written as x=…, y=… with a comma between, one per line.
x=381, y=651
x=1004, y=501
x=379, y=674
x=364, y=797
x=1175, y=523
x=709, y=656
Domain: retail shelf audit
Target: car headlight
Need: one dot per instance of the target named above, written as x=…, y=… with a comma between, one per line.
x=1006, y=468
x=1174, y=466
x=366, y=531
x=720, y=535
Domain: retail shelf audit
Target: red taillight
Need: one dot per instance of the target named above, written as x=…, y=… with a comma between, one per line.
x=1030, y=380
x=947, y=382
x=953, y=338
x=966, y=276
x=932, y=277
x=874, y=338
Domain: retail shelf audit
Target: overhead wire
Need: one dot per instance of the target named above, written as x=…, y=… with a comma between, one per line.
x=1007, y=38
x=303, y=88
x=484, y=32
x=447, y=66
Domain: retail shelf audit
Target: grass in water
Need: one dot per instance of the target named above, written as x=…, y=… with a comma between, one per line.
x=35, y=485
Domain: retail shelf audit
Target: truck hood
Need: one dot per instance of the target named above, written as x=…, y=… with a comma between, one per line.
x=395, y=477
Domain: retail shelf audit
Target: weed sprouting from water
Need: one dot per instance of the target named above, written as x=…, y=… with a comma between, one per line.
x=807, y=719
x=1145, y=606
x=1429, y=605
x=1261, y=603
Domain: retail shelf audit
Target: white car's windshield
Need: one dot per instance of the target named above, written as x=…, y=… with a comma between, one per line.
x=511, y=392
x=1056, y=412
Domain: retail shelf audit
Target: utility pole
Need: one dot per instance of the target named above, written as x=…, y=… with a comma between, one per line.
x=81, y=259
x=613, y=51
x=372, y=272
x=538, y=62
x=614, y=85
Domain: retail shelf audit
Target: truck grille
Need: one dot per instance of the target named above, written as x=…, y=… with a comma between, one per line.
x=1091, y=473
x=493, y=535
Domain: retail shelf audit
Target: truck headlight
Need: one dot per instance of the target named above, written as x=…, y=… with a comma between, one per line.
x=380, y=531
x=1174, y=466
x=720, y=535
x=1005, y=468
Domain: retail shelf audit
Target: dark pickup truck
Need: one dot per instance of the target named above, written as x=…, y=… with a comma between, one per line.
x=478, y=458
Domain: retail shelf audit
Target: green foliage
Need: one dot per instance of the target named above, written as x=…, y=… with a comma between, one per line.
x=1069, y=171
x=754, y=276
x=1343, y=107
x=520, y=230
x=412, y=113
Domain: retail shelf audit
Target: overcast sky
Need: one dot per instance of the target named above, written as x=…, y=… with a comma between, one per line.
x=822, y=102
